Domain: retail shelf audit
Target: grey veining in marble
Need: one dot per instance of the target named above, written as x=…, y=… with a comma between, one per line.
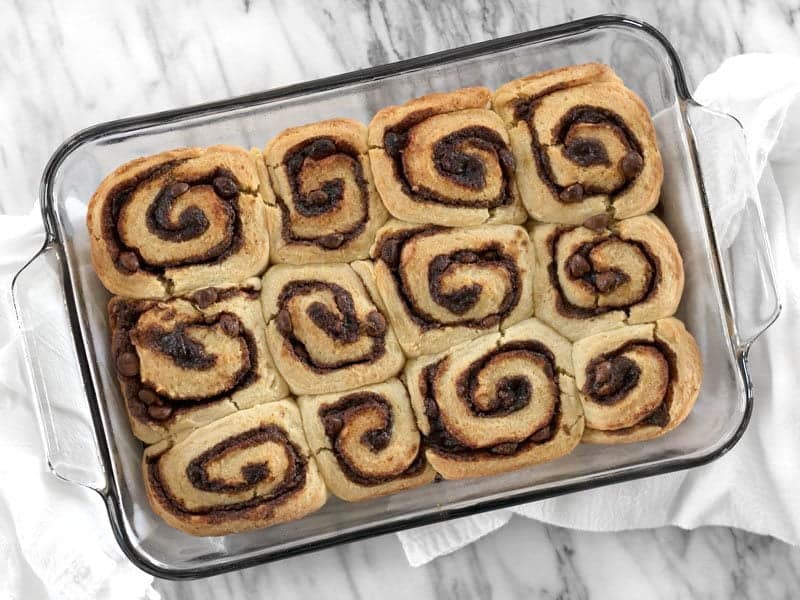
x=66, y=66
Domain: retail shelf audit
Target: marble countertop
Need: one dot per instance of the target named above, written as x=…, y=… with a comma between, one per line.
x=63, y=68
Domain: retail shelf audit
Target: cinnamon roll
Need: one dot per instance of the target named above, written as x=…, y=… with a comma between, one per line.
x=188, y=361
x=445, y=159
x=325, y=207
x=249, y=470
x=444, y=286
x=637, y=382
x=366, y=441
x=498, y=403
x=584, y=144
x=325, y=331
x=591, y=280
x=177, y=221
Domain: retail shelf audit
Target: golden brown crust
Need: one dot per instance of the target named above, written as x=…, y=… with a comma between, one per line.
x=584, y=144
x=445, y=286
x=498, y=403
x=445, y=159
x=325, y=207
x=186, y=362
x=587, y=281
x=324, y=330
x=177, y=221
x=366, y=441
x=638, y=382
x=249, y=470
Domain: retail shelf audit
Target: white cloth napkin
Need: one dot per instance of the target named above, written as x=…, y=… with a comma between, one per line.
x=55, y=538
x=755, y=486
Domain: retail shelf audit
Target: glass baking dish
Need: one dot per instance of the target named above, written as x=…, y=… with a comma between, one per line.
x=709, y=202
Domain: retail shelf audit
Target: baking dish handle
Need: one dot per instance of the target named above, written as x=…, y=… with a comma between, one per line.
x=738, y=222
x=57, y=382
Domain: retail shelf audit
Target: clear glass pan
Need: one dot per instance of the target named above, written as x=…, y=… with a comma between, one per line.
x=84, y=425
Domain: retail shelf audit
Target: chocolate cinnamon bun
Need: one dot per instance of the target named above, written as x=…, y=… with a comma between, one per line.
x=498, y=403
x=444, y=286
x=591, y=280
x=445, y=159
x=190, y=360
x=325, y=207
x=325, y=331
x=584, y=144
x=637, y=382
x=366, y=441
x=177, y=221
x=248, y=470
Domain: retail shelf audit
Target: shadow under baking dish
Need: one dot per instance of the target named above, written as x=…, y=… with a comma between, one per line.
x=647, y=64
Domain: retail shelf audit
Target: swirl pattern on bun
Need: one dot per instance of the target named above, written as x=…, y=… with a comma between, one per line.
x=445, y=159
x=637, y=382
x=498, y=403
x=248, y=470
x=177, y=221
x=584, y=144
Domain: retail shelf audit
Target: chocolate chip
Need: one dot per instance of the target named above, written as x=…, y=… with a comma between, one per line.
x=375, y=325
x=321, y=148
x=129, y=261
x=283, y=322
x=573, y=193
x=295, y=163
x=176, y=189
x=578, y=266
x=331, y=241
x=205, y=297
x=225, y=186
x=602, y=372
x=376, y=440
x=608, y=281
x=506, y=159
x=631, y=164
x=333, y=425
x=541, y=435
x=159, y=412
x=505, y=449
x=390, y=252
x=148, y=396
x=229, y=324
x=607, y=381
x=394, y=143
x=316, y=198
x=597, y=222
x=128, y=364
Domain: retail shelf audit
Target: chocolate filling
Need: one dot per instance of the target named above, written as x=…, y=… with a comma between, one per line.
x=191, y=222
x=143, y=403
x=334, y=418
x=389, y=250
x=608, y=380
x=581, y=150
x=325, y=199
x=344, y=327
x=577, y=269
x=452, y=162
x=512, y=394
x=609, y=384
x=196, y=471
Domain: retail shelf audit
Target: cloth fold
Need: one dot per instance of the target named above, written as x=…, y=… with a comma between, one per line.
x=755, y=486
